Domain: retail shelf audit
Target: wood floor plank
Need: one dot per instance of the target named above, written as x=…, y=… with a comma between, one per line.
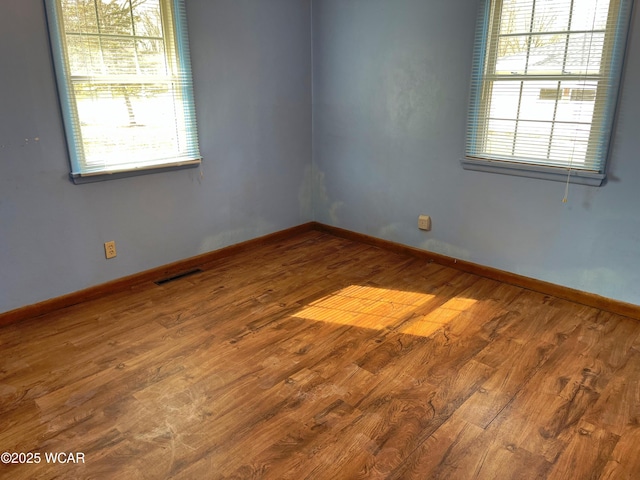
x=461, y=450
x=624, y=463
x=586, y=454
x=323, y=358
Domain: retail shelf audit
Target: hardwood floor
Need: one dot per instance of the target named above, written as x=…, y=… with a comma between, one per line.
x=323, y=358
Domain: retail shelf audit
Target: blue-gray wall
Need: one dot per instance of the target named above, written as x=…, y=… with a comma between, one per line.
x=390, y=91
x=252, y=68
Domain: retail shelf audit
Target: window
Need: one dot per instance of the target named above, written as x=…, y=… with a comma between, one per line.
x=124, y=80
x=544, y=87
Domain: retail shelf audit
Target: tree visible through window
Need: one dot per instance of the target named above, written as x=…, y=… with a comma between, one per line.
x=125, y=83
x=545, y=84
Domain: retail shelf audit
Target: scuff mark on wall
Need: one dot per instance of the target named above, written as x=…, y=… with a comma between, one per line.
x=598, y=279
x=258, y=228
x=197, y=176
x=305, y=194
x=314, y=198
x=444, y=248
x=604, y=281
x=409, y=86
x=390, y=232
x=24, y=143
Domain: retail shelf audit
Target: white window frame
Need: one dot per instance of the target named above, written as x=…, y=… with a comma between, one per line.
x=477, y=156
x=177, y=76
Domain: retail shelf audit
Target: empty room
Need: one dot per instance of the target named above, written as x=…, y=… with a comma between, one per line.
x=320, y=239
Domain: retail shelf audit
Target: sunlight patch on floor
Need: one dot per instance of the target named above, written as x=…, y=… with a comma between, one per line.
x=363, y=306
x=428, y=324
x=378, y=308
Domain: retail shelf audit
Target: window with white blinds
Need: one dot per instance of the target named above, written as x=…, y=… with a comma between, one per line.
x=124, y=80
x=545, y=83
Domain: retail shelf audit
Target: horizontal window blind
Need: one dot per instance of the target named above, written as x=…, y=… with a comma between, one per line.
x=545, y=82
x=124, y=78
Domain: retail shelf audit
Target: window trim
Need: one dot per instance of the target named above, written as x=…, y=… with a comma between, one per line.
x=486, y=38
x=178, y=44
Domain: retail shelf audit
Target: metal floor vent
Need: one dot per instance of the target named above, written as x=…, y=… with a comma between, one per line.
x=178, y=276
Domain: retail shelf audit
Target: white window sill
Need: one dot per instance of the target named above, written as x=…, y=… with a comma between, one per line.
x=79, y=178
x=557, y=174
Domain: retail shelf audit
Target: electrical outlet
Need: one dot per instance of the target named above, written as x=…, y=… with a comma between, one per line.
x=424, y=222
x=110, y=249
